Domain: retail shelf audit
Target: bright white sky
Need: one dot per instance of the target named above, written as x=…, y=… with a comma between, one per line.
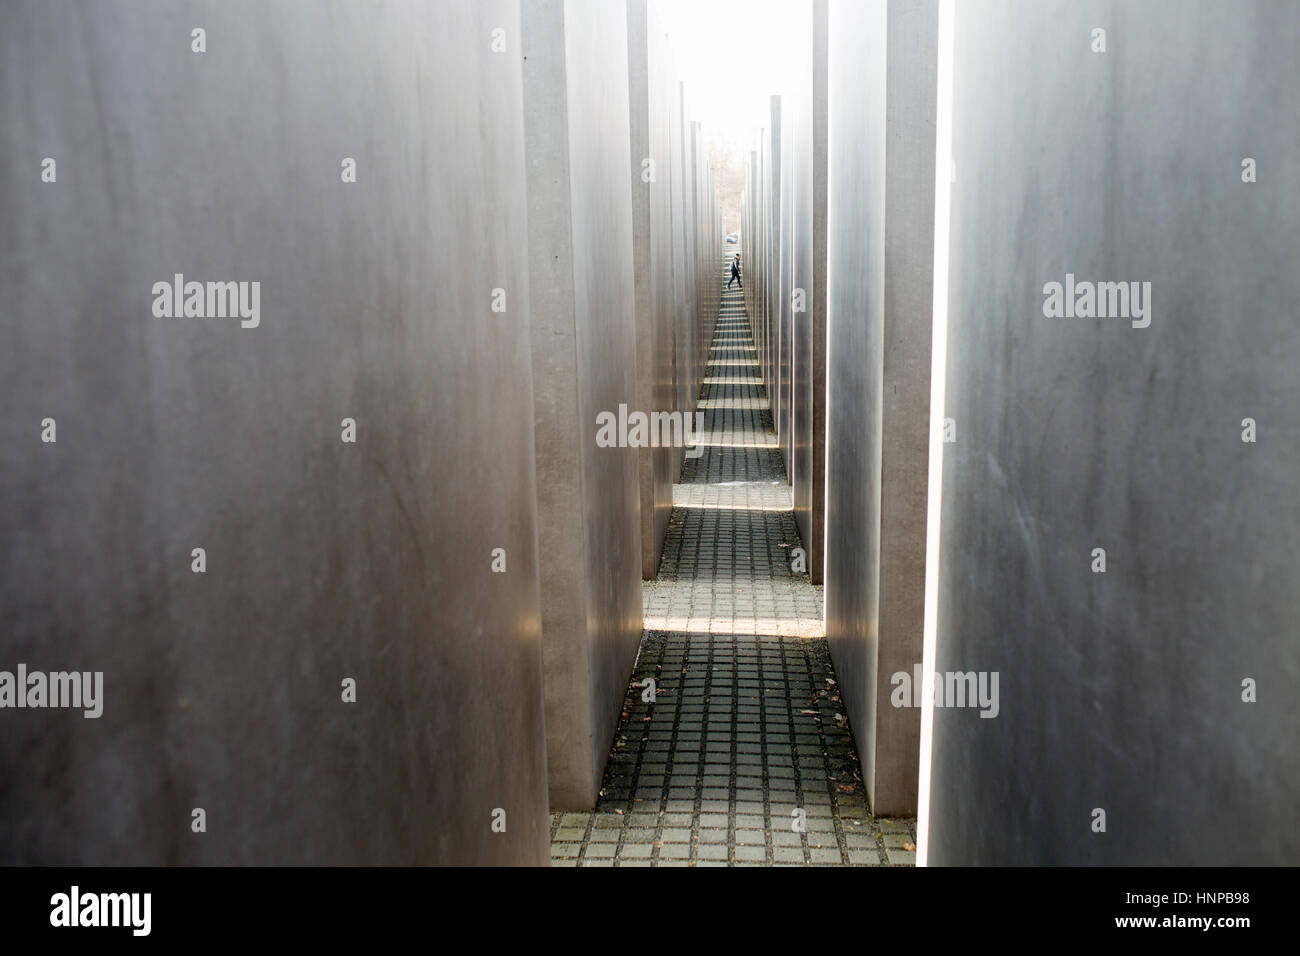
x=732, y=55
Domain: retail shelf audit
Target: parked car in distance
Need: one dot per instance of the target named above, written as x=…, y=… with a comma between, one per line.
x=733, y=237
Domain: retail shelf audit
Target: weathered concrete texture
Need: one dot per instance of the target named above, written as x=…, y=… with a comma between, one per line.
x=880, y=290
x=325, y=560
x=584, y=359
x=651, y=84
x=1122, y=691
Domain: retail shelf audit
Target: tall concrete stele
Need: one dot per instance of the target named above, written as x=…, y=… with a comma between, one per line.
x=350, y=670
x=623, y=239
x=1156, y=143
x=652, y=86
x=584, y=340
x=879, y=329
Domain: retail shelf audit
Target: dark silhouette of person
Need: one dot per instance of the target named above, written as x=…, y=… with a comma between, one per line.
x=735, y=271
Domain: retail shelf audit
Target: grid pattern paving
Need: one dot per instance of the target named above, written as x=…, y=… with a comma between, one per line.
x=732, y=748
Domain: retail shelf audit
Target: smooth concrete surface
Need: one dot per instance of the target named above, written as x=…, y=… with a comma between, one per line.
x=775, y=285
x=575, y=73
x=815, y=532
x=880, y=274
x=651, y=84
x=690, y=308
x=785, y=225
x=684, y=334
x=807, y=127
x=764, y=260
x=754, y=242
x=325, y=560
x=1122, y=691
x=798, y=125
x=695, y=248
x=708, y=266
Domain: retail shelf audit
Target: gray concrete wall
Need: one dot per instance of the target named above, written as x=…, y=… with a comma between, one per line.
x=766, y=259
x=685, y=333
x=763, y=275
x=695, y=247
x=584, y=362
x=325, y=560
x=798, y=415
x=1122, y=691
x=690, y=308
x=807, y=126
x=709, y=254
x=784, y=248
x=651, y=83
x=815, y=533
x=880, y=274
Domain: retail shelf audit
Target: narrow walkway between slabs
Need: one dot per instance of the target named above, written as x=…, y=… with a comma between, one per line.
x=739, y=753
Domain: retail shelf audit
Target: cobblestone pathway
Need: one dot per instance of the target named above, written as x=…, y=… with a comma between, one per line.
x=742, y=757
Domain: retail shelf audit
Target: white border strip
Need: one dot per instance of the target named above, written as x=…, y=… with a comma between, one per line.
x=943, y=178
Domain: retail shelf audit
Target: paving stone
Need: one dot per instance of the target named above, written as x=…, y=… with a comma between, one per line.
x=859, y=840
x=864, y=857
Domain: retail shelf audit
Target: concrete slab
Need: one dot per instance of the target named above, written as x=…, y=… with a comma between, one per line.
x=879, y=330
x=1122, y=691
x=584, y=363
x=323, y=560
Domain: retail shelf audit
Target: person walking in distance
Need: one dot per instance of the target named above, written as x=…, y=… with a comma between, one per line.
x=735, y=271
